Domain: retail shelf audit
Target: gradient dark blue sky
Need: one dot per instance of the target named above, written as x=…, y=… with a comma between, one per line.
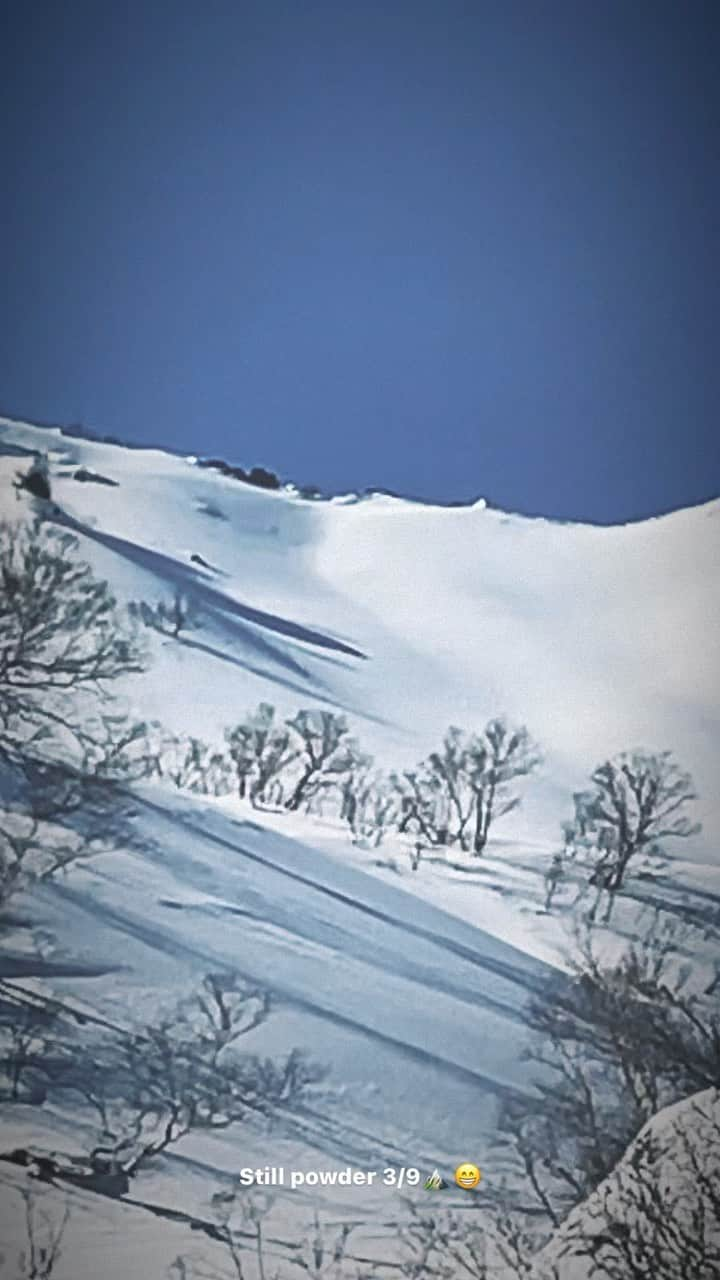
x=446, y=248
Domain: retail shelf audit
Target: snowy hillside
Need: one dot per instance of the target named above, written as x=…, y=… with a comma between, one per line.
x=409, y=987
x=414, y=617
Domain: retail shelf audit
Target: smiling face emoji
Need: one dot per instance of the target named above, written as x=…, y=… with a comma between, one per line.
x=467, y=1176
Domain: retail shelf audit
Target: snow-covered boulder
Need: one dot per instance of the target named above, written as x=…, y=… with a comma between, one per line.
x=657, y=1214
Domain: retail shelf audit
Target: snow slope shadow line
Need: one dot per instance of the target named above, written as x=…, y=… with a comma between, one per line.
x=370, y=957
x=687, y=902
x=502, y=969
x=187, y=576
x=30, y=966
x=158, y=939
x=314, y=685
x=212, y=652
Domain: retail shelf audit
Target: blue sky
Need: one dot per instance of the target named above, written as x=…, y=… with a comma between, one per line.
x=450, y=249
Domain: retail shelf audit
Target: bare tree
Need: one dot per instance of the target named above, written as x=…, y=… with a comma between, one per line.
x=639, y=799
x=242, y=1216
x=615, y=1045
x=25, y=1027
x=67, y=811
x=497, y=758
x=553, y=877
x=44, y=1233
x=448, y=770
x=62, y=641
x=261, y=751
x=423, y=806
x=63, y=644
x=455, y=795
x=325, y=753
x=320, y=1258
x=368, y=802
x=485, y=1244
x=183, y=1074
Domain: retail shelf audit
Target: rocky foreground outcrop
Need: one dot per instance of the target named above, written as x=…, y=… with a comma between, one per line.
x=658, y=1214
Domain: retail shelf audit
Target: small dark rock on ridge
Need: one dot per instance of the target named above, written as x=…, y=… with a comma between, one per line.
x=259, y=476
x=94, y=477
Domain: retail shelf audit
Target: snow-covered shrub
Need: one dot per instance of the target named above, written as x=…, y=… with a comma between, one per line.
x=193, y=765
x=657, y=1214
x=368, y=803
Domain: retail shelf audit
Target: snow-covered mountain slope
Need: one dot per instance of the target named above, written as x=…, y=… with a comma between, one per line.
x=417, y=1017
x=413, y=617
x=410, y=988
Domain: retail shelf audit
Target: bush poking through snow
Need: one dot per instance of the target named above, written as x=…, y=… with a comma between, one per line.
x=169, y=617
x=36, y=480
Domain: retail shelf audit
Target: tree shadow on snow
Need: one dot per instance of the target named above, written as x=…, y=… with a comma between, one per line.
x=241, y=623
